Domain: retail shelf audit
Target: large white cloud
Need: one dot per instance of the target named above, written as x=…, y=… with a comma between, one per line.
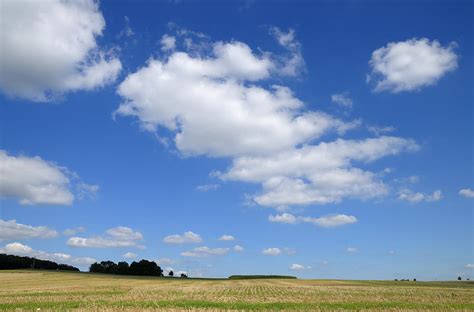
x=325, y=221
x=33, y=180
x=206, y=103
x=120, y=236
x=218, y=100
x=11, y=230
x=410, y=65
x=320, y=173
x=49, y=47
x=20, y=249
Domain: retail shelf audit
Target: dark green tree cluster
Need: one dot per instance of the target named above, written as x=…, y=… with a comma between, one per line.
x=143, y=267
x=10, y=262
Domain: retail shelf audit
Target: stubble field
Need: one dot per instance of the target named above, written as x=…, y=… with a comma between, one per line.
x=43, y=290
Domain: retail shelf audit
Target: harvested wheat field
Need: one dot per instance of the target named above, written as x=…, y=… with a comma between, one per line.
x=41, y=290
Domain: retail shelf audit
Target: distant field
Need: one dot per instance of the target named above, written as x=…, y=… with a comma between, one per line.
x=32, y=290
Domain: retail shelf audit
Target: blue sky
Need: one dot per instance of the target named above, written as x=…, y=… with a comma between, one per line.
x=325, y=139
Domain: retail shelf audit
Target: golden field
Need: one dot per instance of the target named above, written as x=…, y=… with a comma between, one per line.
x=49, y=290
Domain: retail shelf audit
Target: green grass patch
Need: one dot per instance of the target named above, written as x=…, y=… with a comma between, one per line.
x=248, y=306
x=60, y=293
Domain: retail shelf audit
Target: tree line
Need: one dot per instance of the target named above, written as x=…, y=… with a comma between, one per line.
x=143, y=268
x=10, y=262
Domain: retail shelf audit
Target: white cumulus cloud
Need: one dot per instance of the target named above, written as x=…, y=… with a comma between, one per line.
x=238, y=248
x=299, y=267
x=415, y=197
x=318, y=174
x=49, y=48
x=204, y=102
x=284, y=218
x=226, y=237
x=325, y=221
x=120, y=236
x=221, y=101
x=467, y=193
x=11, y=230
x=33, y=180
x=411, y=64
x=129, y=255
x=272, y=251
x=205, y=251
x=185, y=238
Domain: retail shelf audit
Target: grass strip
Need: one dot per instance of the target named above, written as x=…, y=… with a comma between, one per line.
x=248, y=306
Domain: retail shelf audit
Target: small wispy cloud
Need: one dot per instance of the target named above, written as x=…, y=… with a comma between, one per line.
x=207, y=187
x=415, y=197
x=205, y=251
x=342, y=99
x=74, y=231
x=380, y=130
